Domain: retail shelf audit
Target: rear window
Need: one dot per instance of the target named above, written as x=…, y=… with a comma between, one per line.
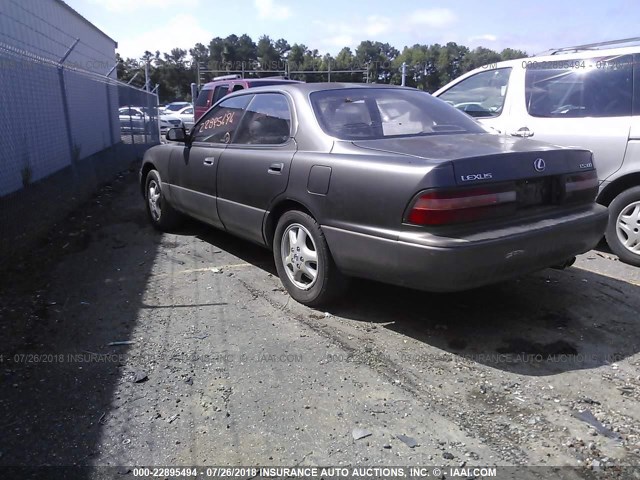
x=370, y=113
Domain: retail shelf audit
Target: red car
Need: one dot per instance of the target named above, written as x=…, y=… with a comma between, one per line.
x=213, y=91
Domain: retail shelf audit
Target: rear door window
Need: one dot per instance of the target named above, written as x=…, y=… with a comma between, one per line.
x=595, y=87
x=267, y=121
x=481, y=95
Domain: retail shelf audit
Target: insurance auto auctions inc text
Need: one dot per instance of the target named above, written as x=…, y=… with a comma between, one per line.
x=378, y=472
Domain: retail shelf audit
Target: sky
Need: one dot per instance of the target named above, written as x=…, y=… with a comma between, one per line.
x=329, y=25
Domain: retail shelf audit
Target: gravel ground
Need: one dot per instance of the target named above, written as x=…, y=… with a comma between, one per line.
x=220, y=367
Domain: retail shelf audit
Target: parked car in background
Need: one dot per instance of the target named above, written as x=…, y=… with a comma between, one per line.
x=380, y=182
x=133, y=120
x=139, y=120
x=174, y=107
x=168, y=121
x=586, y=96
x=185, y=115
x=213, y=91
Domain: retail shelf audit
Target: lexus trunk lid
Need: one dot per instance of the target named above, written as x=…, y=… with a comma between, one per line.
x=481, y=158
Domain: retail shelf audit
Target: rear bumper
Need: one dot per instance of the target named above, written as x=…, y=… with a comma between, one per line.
x=444, y=264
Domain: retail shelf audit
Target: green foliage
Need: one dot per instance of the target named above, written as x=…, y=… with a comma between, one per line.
x=377, y=58
x=480, y=57
x=302, y=59
x=428, y=66
x=511, y=54
x=269, y=57
x=232, y=54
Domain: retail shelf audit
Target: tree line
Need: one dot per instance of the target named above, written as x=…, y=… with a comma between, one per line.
x=428, y=67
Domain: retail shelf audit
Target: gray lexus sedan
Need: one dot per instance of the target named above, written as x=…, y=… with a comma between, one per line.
x=381, y=182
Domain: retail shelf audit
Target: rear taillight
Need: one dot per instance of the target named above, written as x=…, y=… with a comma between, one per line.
x=581, y=187
x=443, y=207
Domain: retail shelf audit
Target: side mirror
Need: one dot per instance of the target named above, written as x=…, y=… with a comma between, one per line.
x=177, y=135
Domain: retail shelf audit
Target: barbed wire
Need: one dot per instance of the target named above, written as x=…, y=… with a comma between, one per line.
x=53, y=55
x=19, y=41
x=27, y=55
x=19, y=54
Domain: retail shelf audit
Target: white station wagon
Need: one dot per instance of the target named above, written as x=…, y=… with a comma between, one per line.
x=586, y=96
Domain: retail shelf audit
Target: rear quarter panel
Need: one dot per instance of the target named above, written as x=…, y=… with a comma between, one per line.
x=368, y=193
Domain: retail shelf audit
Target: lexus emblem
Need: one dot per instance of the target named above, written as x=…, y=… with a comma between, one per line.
x=539, y=165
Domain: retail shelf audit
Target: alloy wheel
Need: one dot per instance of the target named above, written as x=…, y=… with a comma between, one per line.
x=299, y=256
x=628, y=227
x=153, y=195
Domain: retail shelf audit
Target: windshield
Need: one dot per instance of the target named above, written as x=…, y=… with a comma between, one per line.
x=372, y=113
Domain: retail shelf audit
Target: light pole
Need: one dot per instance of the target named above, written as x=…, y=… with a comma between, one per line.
x=147, y=86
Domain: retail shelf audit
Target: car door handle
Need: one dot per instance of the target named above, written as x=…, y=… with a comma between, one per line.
x=523, y=132
x=275, y=168
x=209, y=161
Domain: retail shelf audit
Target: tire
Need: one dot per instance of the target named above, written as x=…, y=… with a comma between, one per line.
x=623, y=229
x=298, y=234
x=161, y=214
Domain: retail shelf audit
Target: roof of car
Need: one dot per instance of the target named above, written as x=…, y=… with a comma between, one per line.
x=322, y=86
x=270, y=80
x=563, y=56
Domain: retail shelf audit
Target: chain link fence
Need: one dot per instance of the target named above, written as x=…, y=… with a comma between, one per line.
x=65, y=132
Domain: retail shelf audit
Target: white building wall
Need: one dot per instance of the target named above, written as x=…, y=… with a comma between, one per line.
x=49, y=27
x=32, y=108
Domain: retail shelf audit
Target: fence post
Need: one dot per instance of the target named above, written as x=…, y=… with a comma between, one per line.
x=109, y=115
x=67, y=118
x=65, y=103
